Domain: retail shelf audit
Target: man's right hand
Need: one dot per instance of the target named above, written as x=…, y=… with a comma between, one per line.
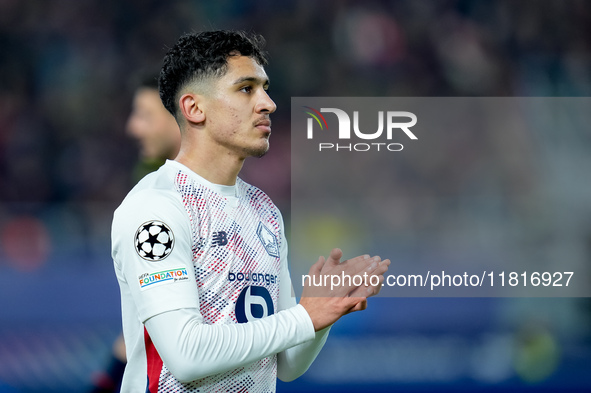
x=330, y=294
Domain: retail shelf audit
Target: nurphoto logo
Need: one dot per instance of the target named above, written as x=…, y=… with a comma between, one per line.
x=396, y=122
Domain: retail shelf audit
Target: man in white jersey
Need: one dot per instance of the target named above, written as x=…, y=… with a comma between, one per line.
x=201, y=256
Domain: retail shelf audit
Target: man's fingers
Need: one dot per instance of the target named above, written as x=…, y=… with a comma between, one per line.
x=374, y=290
x=357, y=265
x=315, y=271
x=377, y=268
x=334, y=259
x=317, y=267
x=357, y=303
x=373, y=275
x=343, y=278
x=344, y=286
x=379, y=271
x=381, y=268
x=362, y=291
x=362, y=305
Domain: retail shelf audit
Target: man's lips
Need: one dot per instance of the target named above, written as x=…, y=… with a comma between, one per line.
x=264, y=125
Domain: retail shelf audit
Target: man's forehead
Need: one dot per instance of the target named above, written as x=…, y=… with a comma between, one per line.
x=244, y=68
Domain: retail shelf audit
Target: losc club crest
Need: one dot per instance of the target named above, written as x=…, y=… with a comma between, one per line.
x=154, y=241
x=269, y=240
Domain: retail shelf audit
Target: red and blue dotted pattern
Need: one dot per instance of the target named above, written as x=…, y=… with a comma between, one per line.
x=210, y=214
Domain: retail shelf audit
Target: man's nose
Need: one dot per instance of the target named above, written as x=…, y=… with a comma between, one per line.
x=266, y=104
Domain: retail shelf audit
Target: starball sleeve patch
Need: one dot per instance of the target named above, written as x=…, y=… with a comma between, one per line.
x=154, y=241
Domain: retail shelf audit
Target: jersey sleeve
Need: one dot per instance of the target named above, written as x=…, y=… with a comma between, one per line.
x=152, y=253
x=295, y=361
x=192, y=350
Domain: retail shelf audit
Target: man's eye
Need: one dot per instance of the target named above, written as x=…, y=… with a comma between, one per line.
x=246, y=89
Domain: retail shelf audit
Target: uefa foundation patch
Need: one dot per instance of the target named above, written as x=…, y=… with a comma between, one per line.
x=151, y=280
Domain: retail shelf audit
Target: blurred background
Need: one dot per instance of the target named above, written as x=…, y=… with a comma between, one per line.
x=66, y=163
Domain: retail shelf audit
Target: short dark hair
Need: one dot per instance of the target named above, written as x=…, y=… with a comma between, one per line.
x=204, y=54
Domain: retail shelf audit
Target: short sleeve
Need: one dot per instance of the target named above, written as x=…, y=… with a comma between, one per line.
x=152, y=252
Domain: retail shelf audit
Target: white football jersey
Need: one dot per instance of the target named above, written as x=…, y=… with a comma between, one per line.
x=180, y=242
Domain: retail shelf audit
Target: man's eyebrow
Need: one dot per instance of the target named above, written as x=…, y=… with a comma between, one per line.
x=253, y=79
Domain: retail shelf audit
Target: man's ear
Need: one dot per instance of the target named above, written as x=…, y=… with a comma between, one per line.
x=192, y=108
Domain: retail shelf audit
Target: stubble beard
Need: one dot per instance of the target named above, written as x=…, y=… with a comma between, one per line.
x=257, y=152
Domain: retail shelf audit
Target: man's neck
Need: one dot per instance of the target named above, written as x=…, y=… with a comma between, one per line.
x=218, y=167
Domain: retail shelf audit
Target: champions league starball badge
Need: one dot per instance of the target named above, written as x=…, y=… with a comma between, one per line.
x=154, y=241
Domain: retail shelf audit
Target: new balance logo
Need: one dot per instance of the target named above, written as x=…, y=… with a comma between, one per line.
x=219, y=239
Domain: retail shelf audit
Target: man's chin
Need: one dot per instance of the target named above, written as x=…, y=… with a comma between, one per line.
x=258, y=152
